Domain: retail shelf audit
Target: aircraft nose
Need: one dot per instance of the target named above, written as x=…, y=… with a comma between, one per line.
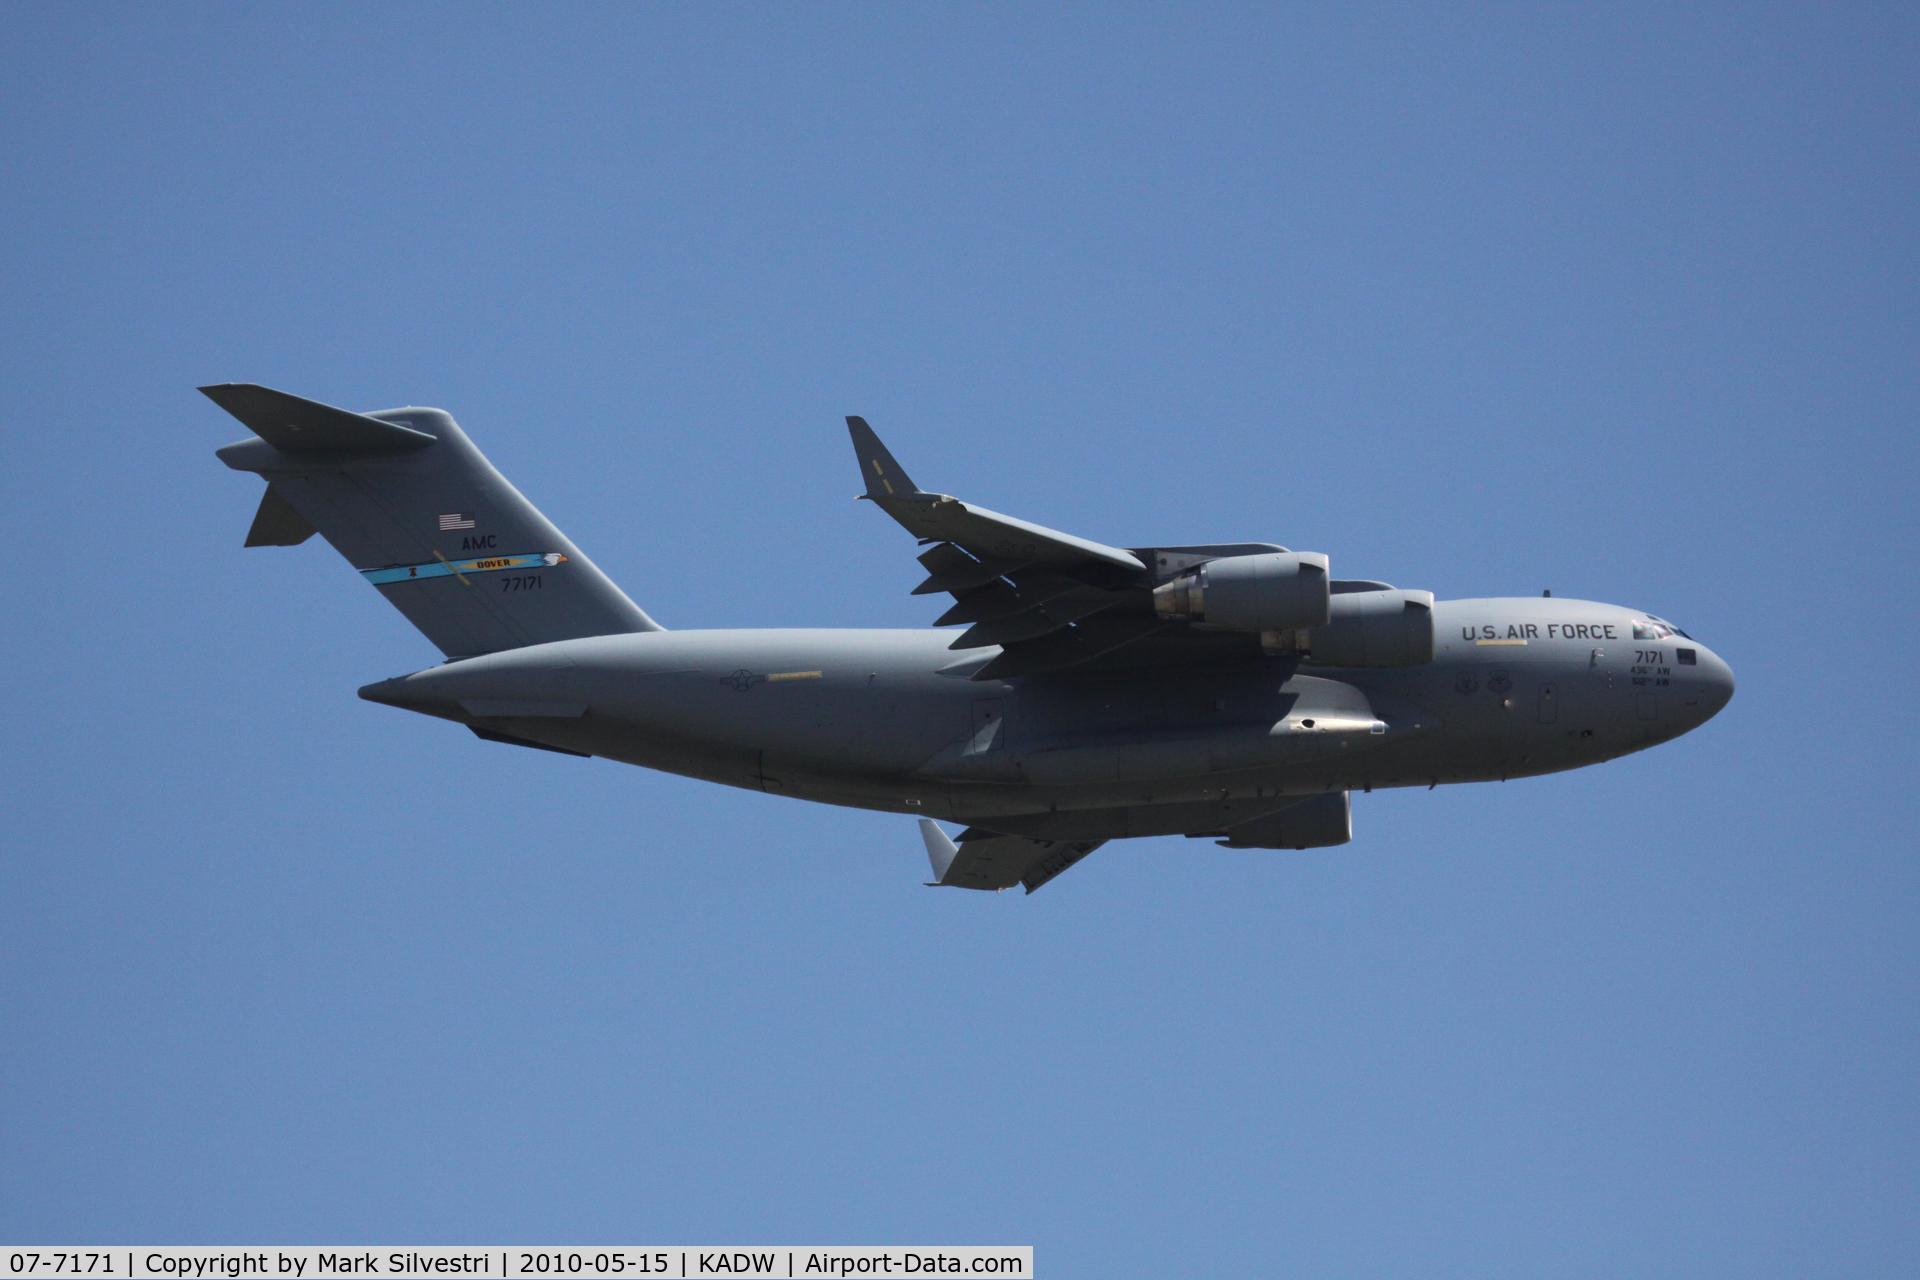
x=1715, y=683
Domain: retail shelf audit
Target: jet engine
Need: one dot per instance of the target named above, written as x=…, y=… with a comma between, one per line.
x=1374, y=629
x=1287, y=597
x=1317, y=822
x=1274, y=591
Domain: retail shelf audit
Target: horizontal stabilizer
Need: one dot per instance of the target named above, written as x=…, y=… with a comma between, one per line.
x=294, y=425
x=277, y=523
x=989, y=860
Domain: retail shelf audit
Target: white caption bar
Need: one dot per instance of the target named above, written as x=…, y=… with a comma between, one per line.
x=516, y=1262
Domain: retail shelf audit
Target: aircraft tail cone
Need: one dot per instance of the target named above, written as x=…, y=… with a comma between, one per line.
x=410, y=693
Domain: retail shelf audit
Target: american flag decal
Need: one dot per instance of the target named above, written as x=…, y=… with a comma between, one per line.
x=456, y=520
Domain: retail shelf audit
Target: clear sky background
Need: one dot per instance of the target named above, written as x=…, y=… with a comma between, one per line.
x=1616, y=301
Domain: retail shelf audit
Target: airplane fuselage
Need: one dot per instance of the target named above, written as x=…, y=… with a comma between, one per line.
x=890, y=720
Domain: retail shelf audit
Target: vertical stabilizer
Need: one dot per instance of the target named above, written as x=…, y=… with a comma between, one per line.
x=425, y=518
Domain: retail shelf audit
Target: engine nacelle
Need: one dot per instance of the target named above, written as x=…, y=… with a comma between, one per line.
x=1274, y=591
x=1374, y=629
x=1317, y=822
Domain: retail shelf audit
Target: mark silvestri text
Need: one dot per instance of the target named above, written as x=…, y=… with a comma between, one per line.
x=318, y=1262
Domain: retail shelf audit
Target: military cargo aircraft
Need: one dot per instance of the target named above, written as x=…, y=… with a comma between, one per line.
x=1231, y=690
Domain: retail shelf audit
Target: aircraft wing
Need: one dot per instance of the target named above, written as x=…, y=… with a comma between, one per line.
x=988, y=535
x=989, y=860
x=1048, y=599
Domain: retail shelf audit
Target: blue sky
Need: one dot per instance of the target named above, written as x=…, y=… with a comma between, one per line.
x=1614, y=300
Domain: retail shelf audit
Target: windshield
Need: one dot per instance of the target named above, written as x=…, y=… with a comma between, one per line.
x=1651, y=628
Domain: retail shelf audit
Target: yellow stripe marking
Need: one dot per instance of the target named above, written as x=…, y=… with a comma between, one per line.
x=1500, y=642
x=793, y=675
x=450, y=569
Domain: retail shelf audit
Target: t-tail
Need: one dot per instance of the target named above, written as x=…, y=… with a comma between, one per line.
x=421, y=513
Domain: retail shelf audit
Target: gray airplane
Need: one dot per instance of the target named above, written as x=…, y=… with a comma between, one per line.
x=1233, y=690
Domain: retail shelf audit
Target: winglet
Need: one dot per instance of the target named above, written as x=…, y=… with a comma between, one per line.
x=941, y=850
x=885, y=478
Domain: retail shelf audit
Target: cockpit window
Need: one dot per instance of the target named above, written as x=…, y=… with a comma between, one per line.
x=1651, y=628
